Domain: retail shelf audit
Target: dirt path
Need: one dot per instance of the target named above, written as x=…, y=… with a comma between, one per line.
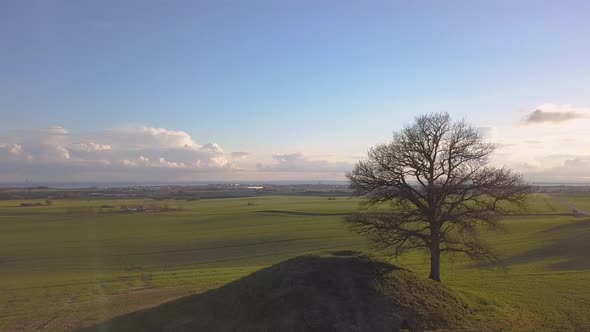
x=572, y=206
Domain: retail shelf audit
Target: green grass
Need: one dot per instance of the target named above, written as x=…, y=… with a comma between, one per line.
x=66, y=263
x=580, y=200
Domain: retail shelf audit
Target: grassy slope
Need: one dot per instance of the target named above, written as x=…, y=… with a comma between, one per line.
x=363, y=294
x=64, y=259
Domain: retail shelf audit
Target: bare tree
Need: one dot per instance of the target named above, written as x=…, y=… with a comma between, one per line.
x=435, y=180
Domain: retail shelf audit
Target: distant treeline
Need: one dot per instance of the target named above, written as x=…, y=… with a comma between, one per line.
x=187, y=193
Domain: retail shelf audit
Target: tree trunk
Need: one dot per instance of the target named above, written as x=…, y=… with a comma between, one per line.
x=435, y=263
x=434, y=253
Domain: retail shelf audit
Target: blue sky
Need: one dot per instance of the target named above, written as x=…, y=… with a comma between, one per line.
x=317, y=81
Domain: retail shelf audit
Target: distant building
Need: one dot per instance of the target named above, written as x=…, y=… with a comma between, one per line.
x=136, y=209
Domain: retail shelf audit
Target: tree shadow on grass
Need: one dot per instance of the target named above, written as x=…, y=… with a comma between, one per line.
x=569, y=242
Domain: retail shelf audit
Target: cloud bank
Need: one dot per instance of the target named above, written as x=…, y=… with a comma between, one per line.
x=551, y=145
x=143, y=153
x=121, y=152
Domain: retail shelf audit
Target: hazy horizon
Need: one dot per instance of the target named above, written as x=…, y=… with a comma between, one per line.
x=123, y=184
x=267, y=91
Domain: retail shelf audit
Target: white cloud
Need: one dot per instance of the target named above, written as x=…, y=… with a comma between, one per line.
x=129, y=163
x=56, y=130
x=142, y=137
x=62, y=152
x=160, y=162
x=50, y=152
x=555, y=151
x=13, y=149
x=16, y=149
x=212, y=147
x=92, y=146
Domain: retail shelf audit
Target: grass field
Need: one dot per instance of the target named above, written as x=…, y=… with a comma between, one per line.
x=580, y=200
x=73, y=263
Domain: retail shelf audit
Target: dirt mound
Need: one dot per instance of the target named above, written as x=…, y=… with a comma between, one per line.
x=344, y=291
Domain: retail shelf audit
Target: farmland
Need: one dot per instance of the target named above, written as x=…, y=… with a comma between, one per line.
x=74, y=263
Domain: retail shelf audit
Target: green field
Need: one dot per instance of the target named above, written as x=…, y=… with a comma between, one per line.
x=73, y=263
x=580, y=200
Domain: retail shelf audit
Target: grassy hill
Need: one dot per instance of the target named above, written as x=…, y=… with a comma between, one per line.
x=344, y=291
x=74, y=264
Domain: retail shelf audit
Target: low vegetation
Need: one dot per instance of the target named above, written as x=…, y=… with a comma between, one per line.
x=65, y=271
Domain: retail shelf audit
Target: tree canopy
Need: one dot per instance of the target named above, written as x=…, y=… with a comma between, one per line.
x=436, y=178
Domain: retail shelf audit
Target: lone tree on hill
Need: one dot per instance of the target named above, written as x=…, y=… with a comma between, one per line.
x=434, y=174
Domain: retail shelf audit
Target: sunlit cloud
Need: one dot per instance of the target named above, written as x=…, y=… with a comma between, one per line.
x=124, y=151
x=550, y=148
